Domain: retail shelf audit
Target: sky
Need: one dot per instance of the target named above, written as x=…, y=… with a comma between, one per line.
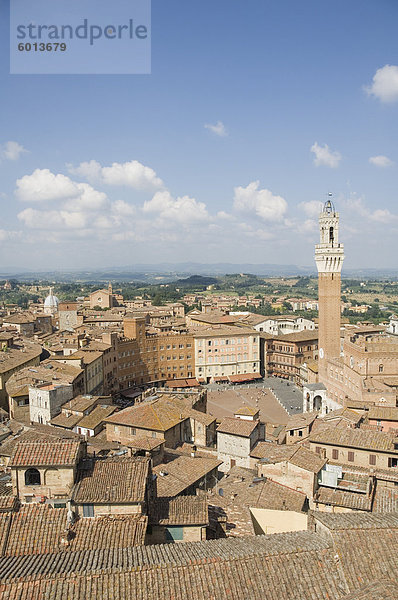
x=253, y=112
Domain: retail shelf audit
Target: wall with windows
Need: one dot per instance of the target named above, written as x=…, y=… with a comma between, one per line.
x=229, y=354
x=358, y=457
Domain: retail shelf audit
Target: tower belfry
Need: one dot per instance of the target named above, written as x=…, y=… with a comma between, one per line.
x=329, y=256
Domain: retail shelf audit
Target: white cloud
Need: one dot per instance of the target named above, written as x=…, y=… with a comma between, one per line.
x=382, y=215
x=218, y=129
x=324, y=156
x=88, y=170
x=312, y=208
x=123, y=208
x=43, y=185
x=131, y=174
x=5, y=235
x=11, y=150
x=385, y=84
x=261, y=202
x=381, y=161
x=53, y=219
x=183, y=210
x=89, y=199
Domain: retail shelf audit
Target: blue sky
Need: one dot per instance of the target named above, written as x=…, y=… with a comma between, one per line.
x=254, y=111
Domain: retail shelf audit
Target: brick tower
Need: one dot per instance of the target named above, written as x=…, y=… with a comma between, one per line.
x=329, y=256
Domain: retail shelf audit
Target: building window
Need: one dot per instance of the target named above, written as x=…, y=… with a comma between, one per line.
x=381, y=368
x=335, y=454
x=372, y=459
x=133, y=431
x=88, y=510
x=351, y=456
x=32, y=477
x=153, y=434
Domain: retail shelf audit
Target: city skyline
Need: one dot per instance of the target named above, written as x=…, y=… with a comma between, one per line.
x=251, y=116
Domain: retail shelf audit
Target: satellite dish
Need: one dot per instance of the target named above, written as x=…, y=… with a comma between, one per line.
x=221, y=492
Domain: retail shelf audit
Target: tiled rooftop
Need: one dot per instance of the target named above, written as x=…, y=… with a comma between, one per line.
x=182, y=472
x=96, y=416
x=41, y=529
x=356, y=438
x=61, y=453
x=160, y=414
x=181, y=510
x=236, y=426
x=292, y=566
x=241, y=490
x=296, y=455
x=118, y=480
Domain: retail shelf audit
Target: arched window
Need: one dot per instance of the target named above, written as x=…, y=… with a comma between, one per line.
x=331, y=235
x=381, y=368
x=32, y=477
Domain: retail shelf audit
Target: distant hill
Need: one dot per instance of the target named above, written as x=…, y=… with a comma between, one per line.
x=196, y=280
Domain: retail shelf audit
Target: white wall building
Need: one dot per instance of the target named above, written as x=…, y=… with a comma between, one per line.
x=235, y=440
x=224, y=351
x=45, y=401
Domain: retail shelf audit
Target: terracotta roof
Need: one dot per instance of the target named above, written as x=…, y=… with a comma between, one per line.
x=248, y=411
x=298, y=336
x=162, y=413
x=61, y=453
x=356, y=438
x=45, y=371
x=308, y=460
x=272, y=453
x=301, y=420
x=345, y=413
x=385, y=499
x=145, y=443
x=257, y=567
x=8, y=503
x=15, y=357
x=294, y=565
x=182, y=472
x=181, y=510
x=96, y=416
x=81, y=403
x=384, y=589
x=296, y=455
x=346, y=499
x=242, y=490
x=40, y=529
x=65, y=421
x=357, y=521
x=383, y=413
x=148, y=415
x=236, y=426
x=375, y=539
x=115, y=480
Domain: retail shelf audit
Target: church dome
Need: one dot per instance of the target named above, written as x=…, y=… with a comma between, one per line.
x=51, y=301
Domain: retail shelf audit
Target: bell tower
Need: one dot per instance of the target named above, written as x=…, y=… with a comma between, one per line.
x=329, y=256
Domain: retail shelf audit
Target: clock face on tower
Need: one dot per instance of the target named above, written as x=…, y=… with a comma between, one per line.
x=321, y=353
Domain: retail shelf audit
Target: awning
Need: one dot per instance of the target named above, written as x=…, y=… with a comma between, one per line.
x=244, y=377
x=221, y=378
x=182, y=383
